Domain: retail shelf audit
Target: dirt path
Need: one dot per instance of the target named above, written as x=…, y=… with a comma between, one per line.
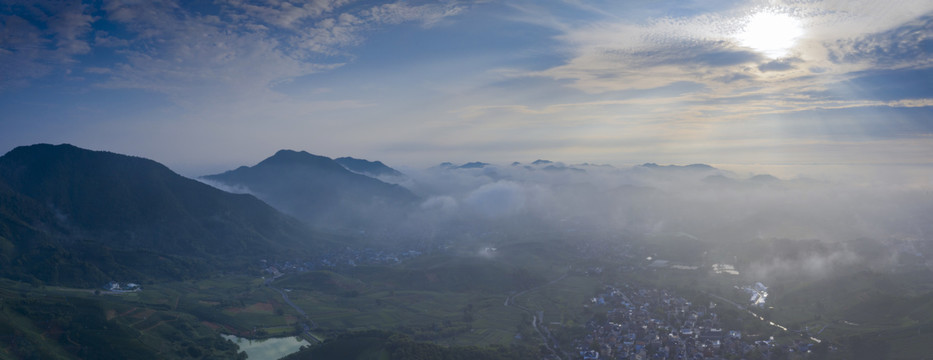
x=157, y=324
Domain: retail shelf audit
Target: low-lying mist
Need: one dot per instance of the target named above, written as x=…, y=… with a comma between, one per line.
x=705, y=202
x=698, y=209
x=863, y=222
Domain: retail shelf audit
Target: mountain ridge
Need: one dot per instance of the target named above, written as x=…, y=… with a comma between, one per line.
x=316, y=189
x=67, y=211
x=366, y=167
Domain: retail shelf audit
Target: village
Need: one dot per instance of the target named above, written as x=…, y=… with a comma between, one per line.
x=337, y=259
x=116, y=287
x=645, y=323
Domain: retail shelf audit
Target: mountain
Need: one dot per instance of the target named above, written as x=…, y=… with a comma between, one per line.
x=366, y=167
x=691, y=167
x=473, y=165
x=470, y=165
x=764, y=179
x=319, y=190
x=75, y=216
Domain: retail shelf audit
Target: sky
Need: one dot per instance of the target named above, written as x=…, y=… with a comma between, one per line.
x=206, y=86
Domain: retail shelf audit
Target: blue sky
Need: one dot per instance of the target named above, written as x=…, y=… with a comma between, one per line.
x=205, y=86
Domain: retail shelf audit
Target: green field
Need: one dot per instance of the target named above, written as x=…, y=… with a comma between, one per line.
x=442, y=299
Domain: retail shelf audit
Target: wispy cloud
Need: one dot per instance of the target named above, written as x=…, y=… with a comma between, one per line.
x=169, y=47
x=40, y=38
x=909, y=45
x=726, y=83
x=592, y=80
x=836, y=40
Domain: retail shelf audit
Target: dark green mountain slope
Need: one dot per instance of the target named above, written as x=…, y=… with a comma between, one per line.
x=318, y=190
x=74, y=216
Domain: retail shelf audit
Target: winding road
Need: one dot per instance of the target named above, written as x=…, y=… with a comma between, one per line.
x=307, y=329
x=510, y=301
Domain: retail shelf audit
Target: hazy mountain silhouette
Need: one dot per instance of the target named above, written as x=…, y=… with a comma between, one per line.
x=318, y=190
x=691, y=167
x=369, y=168
x=70, y=215
x=473, y=165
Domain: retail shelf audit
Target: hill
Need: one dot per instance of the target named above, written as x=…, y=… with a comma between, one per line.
x=318, y=190
x=80, y=217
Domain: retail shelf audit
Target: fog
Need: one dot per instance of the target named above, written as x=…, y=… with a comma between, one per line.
x=777, y=226
x=838, y=223
x=700, y=200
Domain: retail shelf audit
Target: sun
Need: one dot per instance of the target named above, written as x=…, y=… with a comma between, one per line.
x=770, y=33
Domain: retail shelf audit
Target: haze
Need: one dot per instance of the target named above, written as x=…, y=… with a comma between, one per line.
x=557, y=179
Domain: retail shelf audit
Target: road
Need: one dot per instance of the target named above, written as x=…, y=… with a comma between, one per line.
x=289, y=302
x=772, y=323
x=510, y=301
x=307, y=329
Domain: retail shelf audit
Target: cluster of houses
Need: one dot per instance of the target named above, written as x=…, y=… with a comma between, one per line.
x=655, y=324
x=758, y=293
x=114, y=286
x=342, y=258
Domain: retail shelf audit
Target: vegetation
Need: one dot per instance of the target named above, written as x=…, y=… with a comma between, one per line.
x=72, y=220
x=319, y=190
x=386, y=345
x=70, y=216
x=68, y=324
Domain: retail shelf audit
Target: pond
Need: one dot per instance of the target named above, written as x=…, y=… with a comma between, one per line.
x=267, y=349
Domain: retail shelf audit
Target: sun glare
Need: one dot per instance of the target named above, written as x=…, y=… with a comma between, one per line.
x=772, y=34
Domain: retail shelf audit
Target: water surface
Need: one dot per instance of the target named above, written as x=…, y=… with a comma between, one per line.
x=267, y=349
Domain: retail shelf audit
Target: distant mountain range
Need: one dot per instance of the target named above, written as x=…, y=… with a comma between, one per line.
x=320, y=190
x=75, y=216
x=693, y=167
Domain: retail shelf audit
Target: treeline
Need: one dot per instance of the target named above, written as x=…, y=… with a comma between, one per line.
x=38, y=326
x=377, y=344
x=444, y=329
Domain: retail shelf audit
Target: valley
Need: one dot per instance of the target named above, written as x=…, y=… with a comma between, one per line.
x=466, y=180
x=451, y=301
x=509, y=269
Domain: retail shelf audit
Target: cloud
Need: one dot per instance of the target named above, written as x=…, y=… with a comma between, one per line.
x=284, y=14
x=445, y=204
x=730, y=93
x=234, y=189
x=399, y=12
x=169, y=47
x=909, y=45
x=713, y=204
x=176, y=51
x=809, y=265
x=779, y=65
x=497, y=199
x=38, y=37
x=618, y=54
x=565, y=80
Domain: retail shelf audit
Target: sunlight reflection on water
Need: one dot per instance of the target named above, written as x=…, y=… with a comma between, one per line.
x=271, y=349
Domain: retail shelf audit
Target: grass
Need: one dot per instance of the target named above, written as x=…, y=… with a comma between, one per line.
x=62, y=323
x=562, y=300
